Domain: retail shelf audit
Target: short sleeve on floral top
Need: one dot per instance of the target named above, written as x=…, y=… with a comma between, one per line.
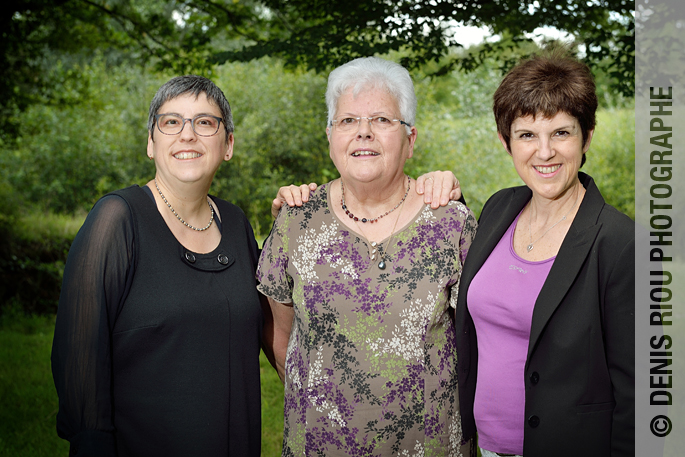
x=371, y=367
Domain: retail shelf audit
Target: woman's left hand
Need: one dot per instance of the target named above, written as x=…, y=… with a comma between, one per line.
x=445, y=188
x=291, y=195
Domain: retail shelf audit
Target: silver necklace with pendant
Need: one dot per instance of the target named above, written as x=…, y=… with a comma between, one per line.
x=530, y=232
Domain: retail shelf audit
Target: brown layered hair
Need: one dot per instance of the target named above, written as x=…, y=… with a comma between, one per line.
x=545, y=85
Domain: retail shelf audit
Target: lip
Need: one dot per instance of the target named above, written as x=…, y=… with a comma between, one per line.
x=547, y=170
x=188, y=154
x=364, y=153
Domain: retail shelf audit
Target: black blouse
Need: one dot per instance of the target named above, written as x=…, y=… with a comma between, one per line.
x=156, y=348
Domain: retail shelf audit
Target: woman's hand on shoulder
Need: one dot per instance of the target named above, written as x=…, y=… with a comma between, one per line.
x=445, y=187
x=291, y=195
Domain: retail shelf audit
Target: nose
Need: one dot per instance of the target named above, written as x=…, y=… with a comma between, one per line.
x=364, y=131
x=188, y=133
x=545, y=149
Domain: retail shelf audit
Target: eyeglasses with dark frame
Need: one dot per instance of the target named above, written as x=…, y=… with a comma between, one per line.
x=378, y=123
x=202, y=124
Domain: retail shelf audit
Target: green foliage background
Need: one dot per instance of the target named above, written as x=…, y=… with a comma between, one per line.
x=67, y=156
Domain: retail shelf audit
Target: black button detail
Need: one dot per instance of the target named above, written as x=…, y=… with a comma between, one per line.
x=534, y=378
x=190, y=257
x=533, y=421
x=223, y=259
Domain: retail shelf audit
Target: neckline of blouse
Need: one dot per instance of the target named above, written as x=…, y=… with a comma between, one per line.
x=394, y=234
x=159, y=219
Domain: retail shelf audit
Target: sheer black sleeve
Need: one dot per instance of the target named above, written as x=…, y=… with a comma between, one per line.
x=97, y=277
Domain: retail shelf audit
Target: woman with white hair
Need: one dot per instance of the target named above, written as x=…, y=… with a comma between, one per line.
x=360, y=282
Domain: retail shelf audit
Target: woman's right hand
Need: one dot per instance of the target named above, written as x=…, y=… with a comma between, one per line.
x=292, y=195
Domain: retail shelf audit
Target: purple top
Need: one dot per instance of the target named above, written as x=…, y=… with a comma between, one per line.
x=501, y=299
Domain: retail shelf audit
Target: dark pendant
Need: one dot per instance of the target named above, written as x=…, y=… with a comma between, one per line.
x=381, y=265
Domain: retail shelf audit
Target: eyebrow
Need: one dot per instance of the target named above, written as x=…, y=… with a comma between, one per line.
x=374, y=114
x=194, y=115
x=563, y=127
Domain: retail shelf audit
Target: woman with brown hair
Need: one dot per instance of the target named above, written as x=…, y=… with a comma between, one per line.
x=546, y=358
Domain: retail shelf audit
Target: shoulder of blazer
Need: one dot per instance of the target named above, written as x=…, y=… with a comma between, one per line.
x=595, y=211
x=503, y=199
x=497, y=215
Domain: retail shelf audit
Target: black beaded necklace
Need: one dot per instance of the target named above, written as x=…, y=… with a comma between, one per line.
x=365, y=220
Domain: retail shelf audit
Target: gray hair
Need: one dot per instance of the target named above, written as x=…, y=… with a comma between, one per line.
x=371, y=73
x=195, y=85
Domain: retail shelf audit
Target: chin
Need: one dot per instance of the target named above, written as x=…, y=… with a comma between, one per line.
x=363, y=177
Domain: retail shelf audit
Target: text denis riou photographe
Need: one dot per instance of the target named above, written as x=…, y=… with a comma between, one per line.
x=660, y=251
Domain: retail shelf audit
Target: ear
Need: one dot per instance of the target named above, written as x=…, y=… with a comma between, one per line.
x=229, y=147
x=150, y=146
x=412, y=139
x=504, y=143
x=586, y=146
x=328, y=137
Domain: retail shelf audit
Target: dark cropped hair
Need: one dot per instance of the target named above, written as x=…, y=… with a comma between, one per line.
x=195, y=85
x=545, y=85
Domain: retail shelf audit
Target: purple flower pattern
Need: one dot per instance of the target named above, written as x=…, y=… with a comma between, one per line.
x=371, y=360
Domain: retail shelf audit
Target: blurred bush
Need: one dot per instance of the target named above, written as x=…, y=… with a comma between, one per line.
x=32, y=255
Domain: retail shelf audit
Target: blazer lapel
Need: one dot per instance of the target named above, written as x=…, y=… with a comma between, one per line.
x=500, y=218
x=572, y=254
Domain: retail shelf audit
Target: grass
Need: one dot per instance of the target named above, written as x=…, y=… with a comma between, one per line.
x=28, y=401
x=272, y=409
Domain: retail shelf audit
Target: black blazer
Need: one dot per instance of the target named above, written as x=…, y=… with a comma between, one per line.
x=580, y=368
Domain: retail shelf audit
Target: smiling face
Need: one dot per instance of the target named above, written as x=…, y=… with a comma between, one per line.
x=364, y=155
x=187, y=157
x=547, y=153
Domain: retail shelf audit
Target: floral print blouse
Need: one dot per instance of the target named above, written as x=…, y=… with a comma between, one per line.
x=371, y=367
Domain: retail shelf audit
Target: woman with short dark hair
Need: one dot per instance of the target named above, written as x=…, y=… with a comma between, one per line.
x=546, y=358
